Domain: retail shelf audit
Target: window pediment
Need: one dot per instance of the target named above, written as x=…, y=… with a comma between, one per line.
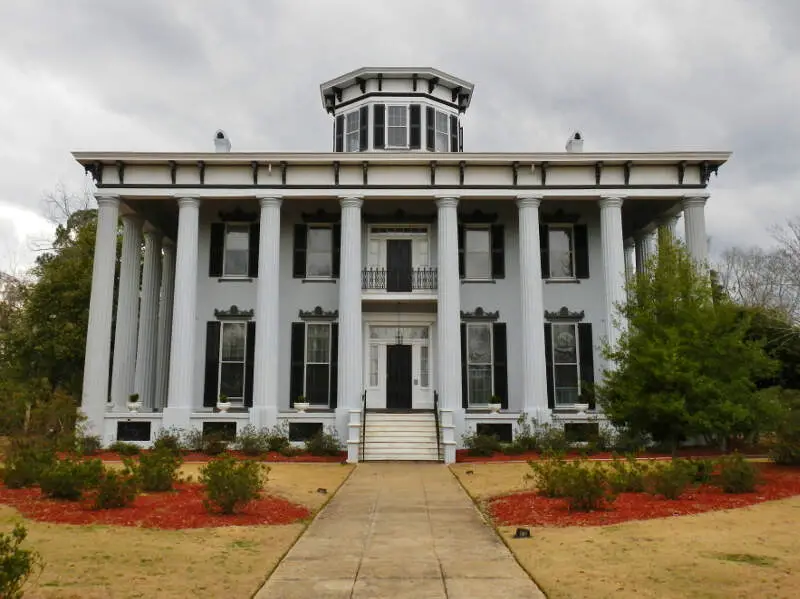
x=564, y=315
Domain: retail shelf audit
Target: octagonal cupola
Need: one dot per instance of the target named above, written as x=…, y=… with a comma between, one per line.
x=396, y=109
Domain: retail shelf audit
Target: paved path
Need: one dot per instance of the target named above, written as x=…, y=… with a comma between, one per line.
x=397, y=531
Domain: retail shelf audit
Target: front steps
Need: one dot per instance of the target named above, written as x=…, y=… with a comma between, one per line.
x=407, y=436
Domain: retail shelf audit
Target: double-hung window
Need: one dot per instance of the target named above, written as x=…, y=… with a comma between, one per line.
x=442, y=127
x=319, y=256
x=477, y=253
x=318, y=362
x=561, y=251
x=397, y=127
x=566, y=366
x=352, y=137
x=479, y=363
x=233, y=350
x=236, y=255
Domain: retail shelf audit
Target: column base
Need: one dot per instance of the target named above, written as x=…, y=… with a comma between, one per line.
x=264, y=416
x=176, y=418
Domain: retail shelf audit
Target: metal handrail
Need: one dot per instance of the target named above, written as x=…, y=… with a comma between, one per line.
x=363, y=425
x=436, y=418
x=422, y=277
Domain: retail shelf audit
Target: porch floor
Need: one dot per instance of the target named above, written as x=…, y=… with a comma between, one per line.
x=399, y=530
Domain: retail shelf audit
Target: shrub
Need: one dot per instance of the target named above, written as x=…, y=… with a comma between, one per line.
x=291, y=451
x=214, y=444
x=278, y=438
x=67, y=479
x=585, y=486
x=88, y=444
x=192, y=440
x=513, y=448
x=482, y=445
x=668, y=479
x=168, y=439
x=628, y=475
x=124, y=449
x=16, y=564
x=157, y=470
x=525, y=438
x=549, y=476
x=323, y=443
x=701, y=469
x=232, y=484
x=551, y=439
x=27, y=458
x=116, y=489
x=737, y=475
x=251, y=441
x=785, y=449
x=627, y=440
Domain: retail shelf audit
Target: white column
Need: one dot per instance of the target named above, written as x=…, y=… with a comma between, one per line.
x=695, y=221
x=101, y=307
x=147, y=342
x=448, y=318
x=613, y=262
x=182, y=347
x=165, y=322
x=534, y=368
x=351, y=355
x=641, y=251
x=630, y=259
x=124, y=367
x=267, y=349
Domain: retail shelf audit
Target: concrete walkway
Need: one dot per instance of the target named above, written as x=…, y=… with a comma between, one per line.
x=399, y=530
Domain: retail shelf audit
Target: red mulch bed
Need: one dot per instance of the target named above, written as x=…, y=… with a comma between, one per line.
x=462, y=455
x=179, y=509
x=272, y=456
x=533, y=510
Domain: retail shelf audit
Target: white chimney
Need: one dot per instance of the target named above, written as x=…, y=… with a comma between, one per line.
x=575, y=143
x=221, y=142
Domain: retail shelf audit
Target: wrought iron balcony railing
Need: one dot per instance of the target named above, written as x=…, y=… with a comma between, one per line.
x=399, y=280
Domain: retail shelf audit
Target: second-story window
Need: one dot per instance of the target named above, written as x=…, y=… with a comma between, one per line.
x=561, y=253
x=236, y=256
x=477, y=253
x=319, y=257
x=352, y=138
x=397, y=127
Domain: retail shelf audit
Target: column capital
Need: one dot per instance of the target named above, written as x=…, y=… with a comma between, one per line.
x=132, y=219
x=529, y=201
x=106, y=199
x=188, y=201
x=446, y=202
x=265, y=201
x=351, y=201
x=611, y=201
x=698, y=199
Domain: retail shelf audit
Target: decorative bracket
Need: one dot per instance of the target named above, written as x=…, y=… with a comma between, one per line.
x=598, y=172
x=201, y=169
x=121, y=172
x=681, y=171
x=336, y=172
x=626, y=172
x=362, y=83
x=480, y=314
x=433, y=172
x=705, y=171
x=462, y=165
x=173, y=171
x=254, y=167
x=233, y=313
x=514, y=173
x=543, y=172
x=284, y=167
x=432, y=82
x=318, y=314
x=564, y=314
x=365, y=172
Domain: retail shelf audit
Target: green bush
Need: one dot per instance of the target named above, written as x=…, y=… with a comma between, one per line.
x=214, y=444
x=551, y=439
x=290, y=451
x=124, y=449
x=513, y=448
x=117, y=489
x=232, y=484
x=278, y=438
x=251, y=441
x=627, y=440
x=701, y=469
x=785, y=448
x=192, y=440
x=324, y=443
x=628, y=475
x=88, y=444
x=549, y=476
x=586, y=486
x=16, y=564
x=68, y=479
x=525, y=437
x=737, y=475
x=157, y=470
x=26, y=459
x=168, y=439
x=668, y=479
x=482, y=445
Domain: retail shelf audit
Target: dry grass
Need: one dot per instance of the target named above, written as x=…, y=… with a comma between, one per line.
x=112, y=562
x=748, y=552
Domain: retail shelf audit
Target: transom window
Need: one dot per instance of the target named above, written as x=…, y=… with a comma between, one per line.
x=397, y=127
x=442, y=131
x=237, y=244
x=318, y=359
x=352, y=138
x=319, y=252
x=561, y=251
x=565, y=364
x=479, y=363
x=477, y=253
x=233, y=350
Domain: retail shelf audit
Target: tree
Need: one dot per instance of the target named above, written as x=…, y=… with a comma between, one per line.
x=684, y=366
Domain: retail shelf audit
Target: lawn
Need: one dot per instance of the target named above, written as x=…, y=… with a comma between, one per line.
x=746, y=552
x=122, y=562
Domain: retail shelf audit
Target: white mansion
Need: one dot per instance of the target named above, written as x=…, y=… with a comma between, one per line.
x=405, y=290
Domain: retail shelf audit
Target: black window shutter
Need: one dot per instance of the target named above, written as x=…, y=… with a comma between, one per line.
x=498, y=235
x=453, y=133
x=255, y=233
x=297, y=354
x=379, y=126
x=548, y=355
x=334, y=377
x=464, y=368
x=415, y=131
x=430, y=128
x=461, y=266
x=338, y=136
x=211, y=391
x=363, y=127
x=249, y=362
x=500, y=351
x=460, y=138
x=581, y=252
x=217, y=250
x=336, y=250
x=544, y=250
x=586, y=356
x=300, y=243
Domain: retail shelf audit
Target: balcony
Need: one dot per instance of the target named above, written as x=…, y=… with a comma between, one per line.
x=393, y=280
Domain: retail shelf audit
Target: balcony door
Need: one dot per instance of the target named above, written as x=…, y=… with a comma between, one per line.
x=398, y=265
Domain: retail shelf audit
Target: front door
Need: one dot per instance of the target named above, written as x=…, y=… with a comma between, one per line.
x=398, y=377
x=398, y=265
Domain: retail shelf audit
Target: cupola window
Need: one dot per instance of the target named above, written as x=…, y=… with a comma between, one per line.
x=351, y=134
x=397, y=127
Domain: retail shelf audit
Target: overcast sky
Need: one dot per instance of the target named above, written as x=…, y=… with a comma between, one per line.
x=632, y=75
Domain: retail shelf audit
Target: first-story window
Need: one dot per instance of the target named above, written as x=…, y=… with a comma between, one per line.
x=477, y=253
x=237, y=247
x=374, y=357
x=479, y=363
x=397, y=127
x=442, y=131
x=561, y=251
x=352, y=137
x=318, y=361
x=319, y=257
x=232, y=361
x=424, y=366
x=566, y=367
